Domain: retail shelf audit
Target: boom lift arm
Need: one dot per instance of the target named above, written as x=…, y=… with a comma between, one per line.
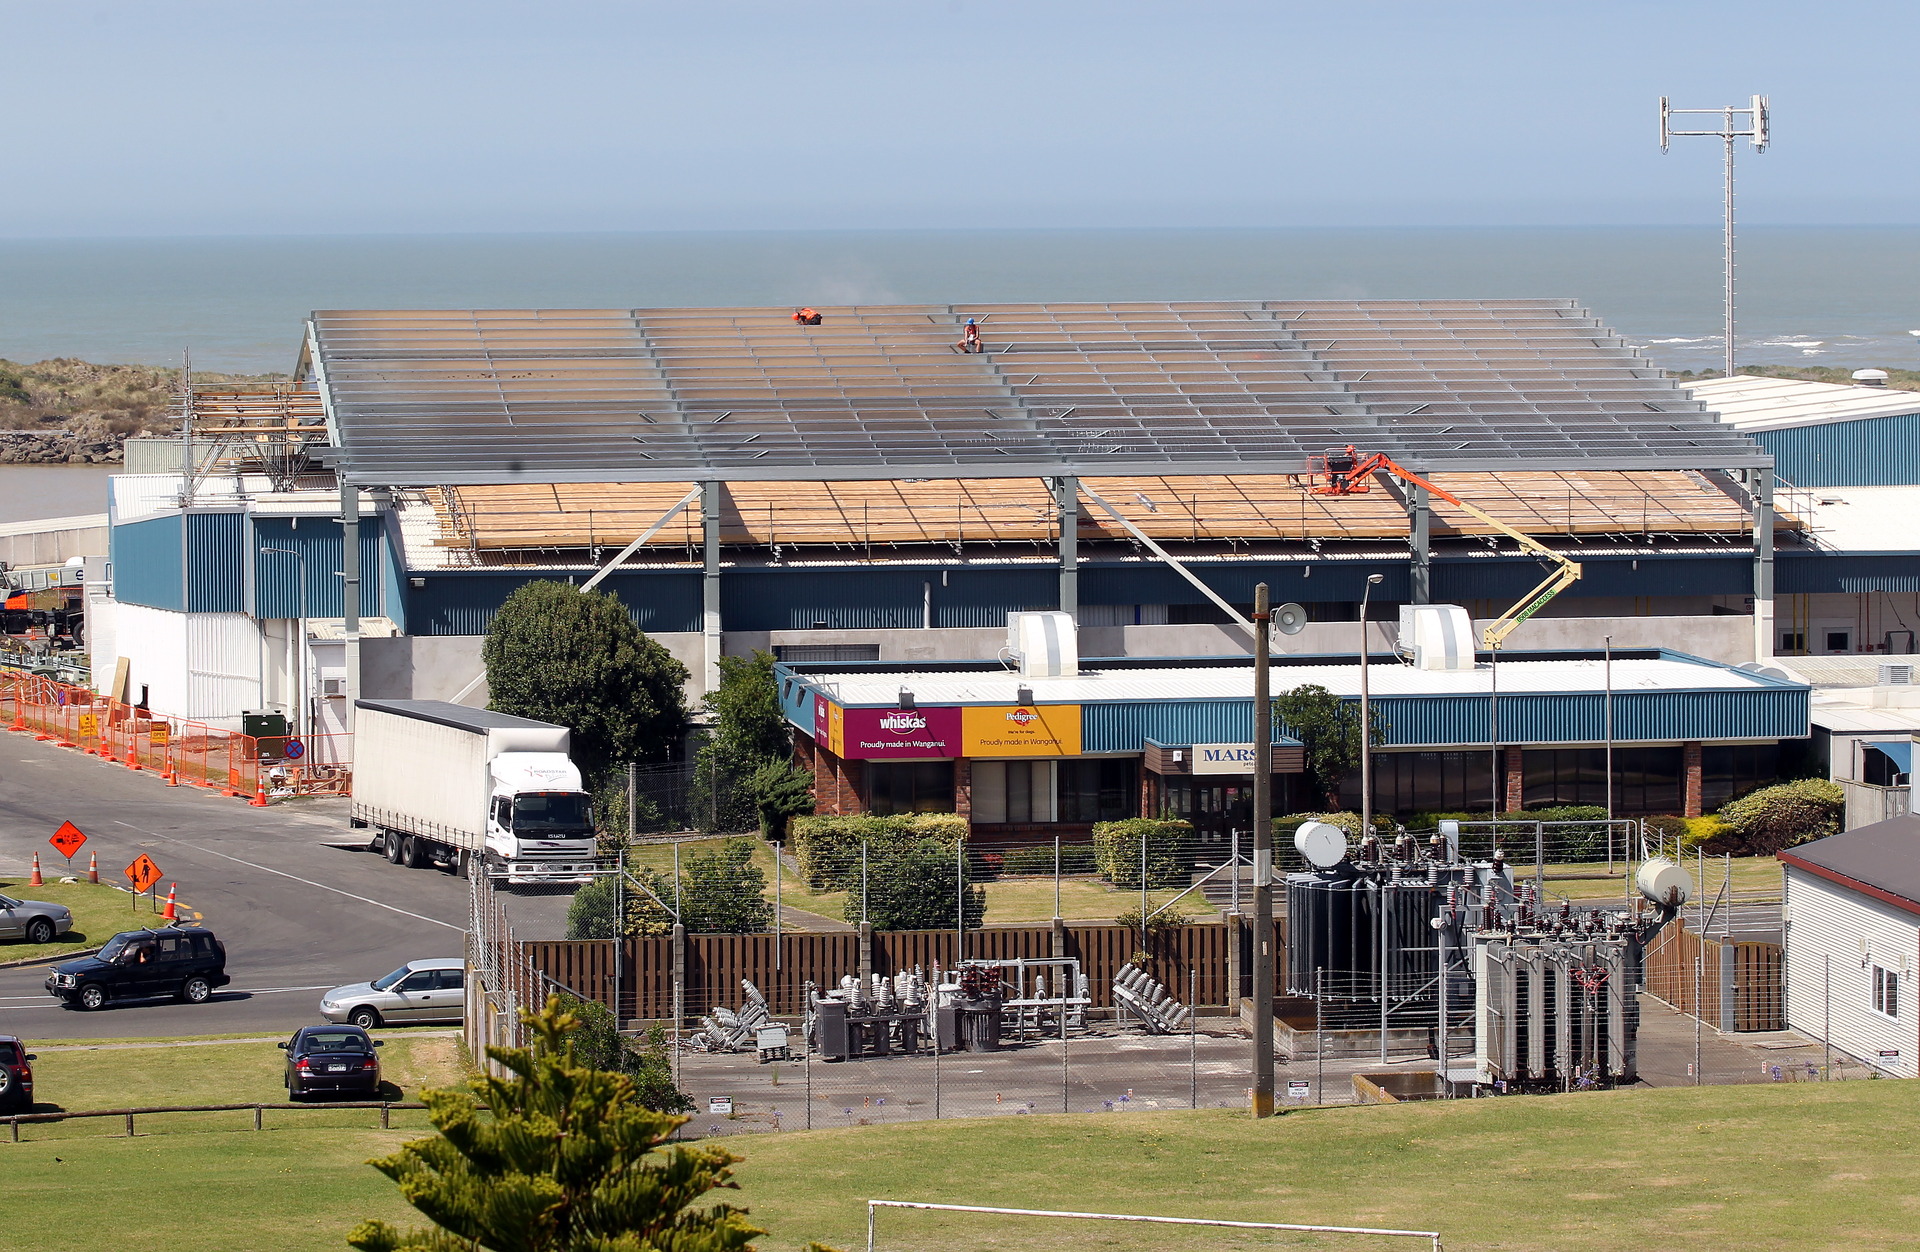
x=1349, y=473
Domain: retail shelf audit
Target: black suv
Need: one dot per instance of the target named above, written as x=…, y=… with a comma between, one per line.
x=144, y=964
x=16, y=1075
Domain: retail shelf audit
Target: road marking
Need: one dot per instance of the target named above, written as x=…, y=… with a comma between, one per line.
x=295, y=877
x=224, y=991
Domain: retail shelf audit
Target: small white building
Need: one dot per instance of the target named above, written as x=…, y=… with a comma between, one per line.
x=1852, y=914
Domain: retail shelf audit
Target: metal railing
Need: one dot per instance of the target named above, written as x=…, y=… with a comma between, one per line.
x=386, y=1107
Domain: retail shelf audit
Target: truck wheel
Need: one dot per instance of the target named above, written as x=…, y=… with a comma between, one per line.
x=390, y=844
x=413, y=853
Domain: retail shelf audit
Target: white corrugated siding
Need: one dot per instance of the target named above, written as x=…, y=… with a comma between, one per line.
x=223, y=667
x=1827, y=922
x=154, y=644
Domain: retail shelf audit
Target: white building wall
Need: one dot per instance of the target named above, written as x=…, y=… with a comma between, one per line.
x=1834, y=937
x=199, y=666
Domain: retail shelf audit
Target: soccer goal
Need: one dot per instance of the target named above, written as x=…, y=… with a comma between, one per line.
x=1432, y=1237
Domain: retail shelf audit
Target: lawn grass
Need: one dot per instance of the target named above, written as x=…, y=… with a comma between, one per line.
x=108, y=1074
x=1749, y=876
x=1788, y=1167
x=99, y=911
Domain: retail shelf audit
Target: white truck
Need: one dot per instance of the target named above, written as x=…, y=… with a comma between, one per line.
x=443, y=784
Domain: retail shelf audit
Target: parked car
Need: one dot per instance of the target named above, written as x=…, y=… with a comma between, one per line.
x=36, y=921
x=187, y=963
x=336, y=1059
x=16, y=1074
x=419, y=991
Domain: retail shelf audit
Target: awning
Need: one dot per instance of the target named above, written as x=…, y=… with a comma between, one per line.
x=1899, y=751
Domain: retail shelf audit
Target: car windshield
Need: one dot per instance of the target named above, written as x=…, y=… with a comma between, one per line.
x=551, y=810
x=386, y=982
x=115, y=946
x=8, y=903
x=334, y=1041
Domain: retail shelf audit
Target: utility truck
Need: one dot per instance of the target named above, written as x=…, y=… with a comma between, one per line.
x=447, y=785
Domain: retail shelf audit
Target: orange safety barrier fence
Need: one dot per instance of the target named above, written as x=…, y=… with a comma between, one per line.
x=257, y=769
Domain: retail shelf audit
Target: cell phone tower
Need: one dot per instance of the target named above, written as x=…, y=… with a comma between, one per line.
x=1754, y=130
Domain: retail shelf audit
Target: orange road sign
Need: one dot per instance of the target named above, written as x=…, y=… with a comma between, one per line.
x=67, y=839
x=143, y=873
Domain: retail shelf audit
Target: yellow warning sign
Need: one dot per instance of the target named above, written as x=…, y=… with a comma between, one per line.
x=90, y=725
x=157, y=735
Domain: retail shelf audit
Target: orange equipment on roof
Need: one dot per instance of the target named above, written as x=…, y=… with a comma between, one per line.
x=1349, y=473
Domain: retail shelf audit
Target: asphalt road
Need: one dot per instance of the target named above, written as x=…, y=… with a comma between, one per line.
x=296, y=915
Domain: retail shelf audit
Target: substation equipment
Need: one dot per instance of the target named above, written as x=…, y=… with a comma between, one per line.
x=1401, y=937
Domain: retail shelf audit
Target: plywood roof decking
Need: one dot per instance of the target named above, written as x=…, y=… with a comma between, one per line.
x=878, y=392
x=958, y=511
x=262, y=410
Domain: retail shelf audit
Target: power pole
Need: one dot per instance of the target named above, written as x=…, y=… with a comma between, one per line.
x=1262, y=858
x=1754, y=130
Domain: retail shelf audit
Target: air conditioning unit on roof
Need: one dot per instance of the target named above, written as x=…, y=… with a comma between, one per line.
x=1896, y=674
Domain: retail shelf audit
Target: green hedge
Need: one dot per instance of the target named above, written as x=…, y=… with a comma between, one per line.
x=1075, y=858
x=1515, y=832
x=1169, y=851
x=1778, y=817
x=827, y=847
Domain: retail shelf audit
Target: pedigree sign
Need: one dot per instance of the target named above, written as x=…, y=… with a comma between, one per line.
x=1021, y=730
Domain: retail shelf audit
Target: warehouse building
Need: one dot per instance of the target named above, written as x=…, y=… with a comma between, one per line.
x=1852, y=913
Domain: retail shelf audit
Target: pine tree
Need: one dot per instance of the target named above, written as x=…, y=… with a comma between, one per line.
x=556, y=1157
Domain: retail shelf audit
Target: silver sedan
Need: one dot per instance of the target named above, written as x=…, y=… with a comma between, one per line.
x=36, y=921
x=419, y=991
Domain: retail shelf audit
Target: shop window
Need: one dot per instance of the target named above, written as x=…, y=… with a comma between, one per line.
x=1839, y=641
x=1793, y=641
x=1012, y=791
x=909, y=787
x=1098, y=790
x=1728, y=772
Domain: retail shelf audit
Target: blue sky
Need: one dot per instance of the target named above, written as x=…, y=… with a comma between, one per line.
x=346, y=117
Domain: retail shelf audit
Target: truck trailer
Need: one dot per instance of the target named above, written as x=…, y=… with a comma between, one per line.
x=447, y=785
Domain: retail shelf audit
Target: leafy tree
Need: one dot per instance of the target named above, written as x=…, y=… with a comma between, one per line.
x=556, y=1157
x=598, y=1044
x=780, y=790
x=1329, y=728
x=723, y=892
x=1765, y=821
x=575, y=658
x=912, y=886
x=591, y=915
x=747, y=731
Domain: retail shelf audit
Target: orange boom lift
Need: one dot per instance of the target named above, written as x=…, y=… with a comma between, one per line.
x=1349, y=473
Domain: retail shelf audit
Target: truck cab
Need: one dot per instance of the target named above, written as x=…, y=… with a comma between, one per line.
x=539, y=819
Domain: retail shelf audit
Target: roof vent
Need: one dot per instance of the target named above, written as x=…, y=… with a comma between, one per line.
x=1896, y=674
x=1870, y=378
x=1439, y=636
x=1045, y=644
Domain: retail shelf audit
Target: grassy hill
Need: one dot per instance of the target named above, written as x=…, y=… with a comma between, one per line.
x=67, y=410
x=1796, y=1166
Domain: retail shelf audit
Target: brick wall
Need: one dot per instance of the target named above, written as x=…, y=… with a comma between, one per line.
x=1516, y=788
x=1690, y=788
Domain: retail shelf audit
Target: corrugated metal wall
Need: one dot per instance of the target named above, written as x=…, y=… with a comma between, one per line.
x=1457, y=579
x=1638, y=716
x=1797, y=573
x=1125, y=726
x=318, y=543
x=147, y=563
x=893, y=597
x=463, y=602
x=217, y=574
x=1322, y=582
x=1873, y=451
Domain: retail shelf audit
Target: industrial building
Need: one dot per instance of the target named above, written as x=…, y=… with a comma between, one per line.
x=858, y=493
x=1852, y=913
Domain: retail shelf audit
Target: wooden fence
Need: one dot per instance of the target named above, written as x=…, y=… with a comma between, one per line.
x=1738, y=982
x=715, y=965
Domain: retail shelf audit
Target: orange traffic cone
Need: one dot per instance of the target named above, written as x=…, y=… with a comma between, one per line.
x=93, y=867
x=19, y=717
x=133, y=753
x=36, y=880
x=172, y=897
x=259, y=800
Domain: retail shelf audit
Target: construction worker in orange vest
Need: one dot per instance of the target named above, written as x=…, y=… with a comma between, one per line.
x=806, y=317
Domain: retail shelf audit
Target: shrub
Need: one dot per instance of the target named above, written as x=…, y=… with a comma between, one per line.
x=1778, y=817
x=827, y=846
x=914, y=886
x=1117, y=848
x=1515, y=831
x=1159, y=925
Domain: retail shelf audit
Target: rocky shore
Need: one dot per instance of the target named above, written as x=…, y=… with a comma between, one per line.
x=58, y=447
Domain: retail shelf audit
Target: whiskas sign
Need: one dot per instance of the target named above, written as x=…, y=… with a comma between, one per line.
x=886, y=734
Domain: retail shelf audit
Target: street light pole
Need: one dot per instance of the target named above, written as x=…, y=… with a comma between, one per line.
x=1366, y=717
x=1263, y=1094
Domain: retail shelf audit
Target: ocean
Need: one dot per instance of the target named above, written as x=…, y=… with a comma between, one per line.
x=1809, y=295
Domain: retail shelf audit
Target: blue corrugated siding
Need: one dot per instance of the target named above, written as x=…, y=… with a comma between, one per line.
x=393, y=576
x=318, y=543
x=1464, y=721
x=1581, y=718
x=881, y=597
x=147, y=563
x=1318, y=582
x=796, y=700
x=1507, y=578
x=1874, y=451
x=1803, y=573
x=217, y=573
x=461, y=602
